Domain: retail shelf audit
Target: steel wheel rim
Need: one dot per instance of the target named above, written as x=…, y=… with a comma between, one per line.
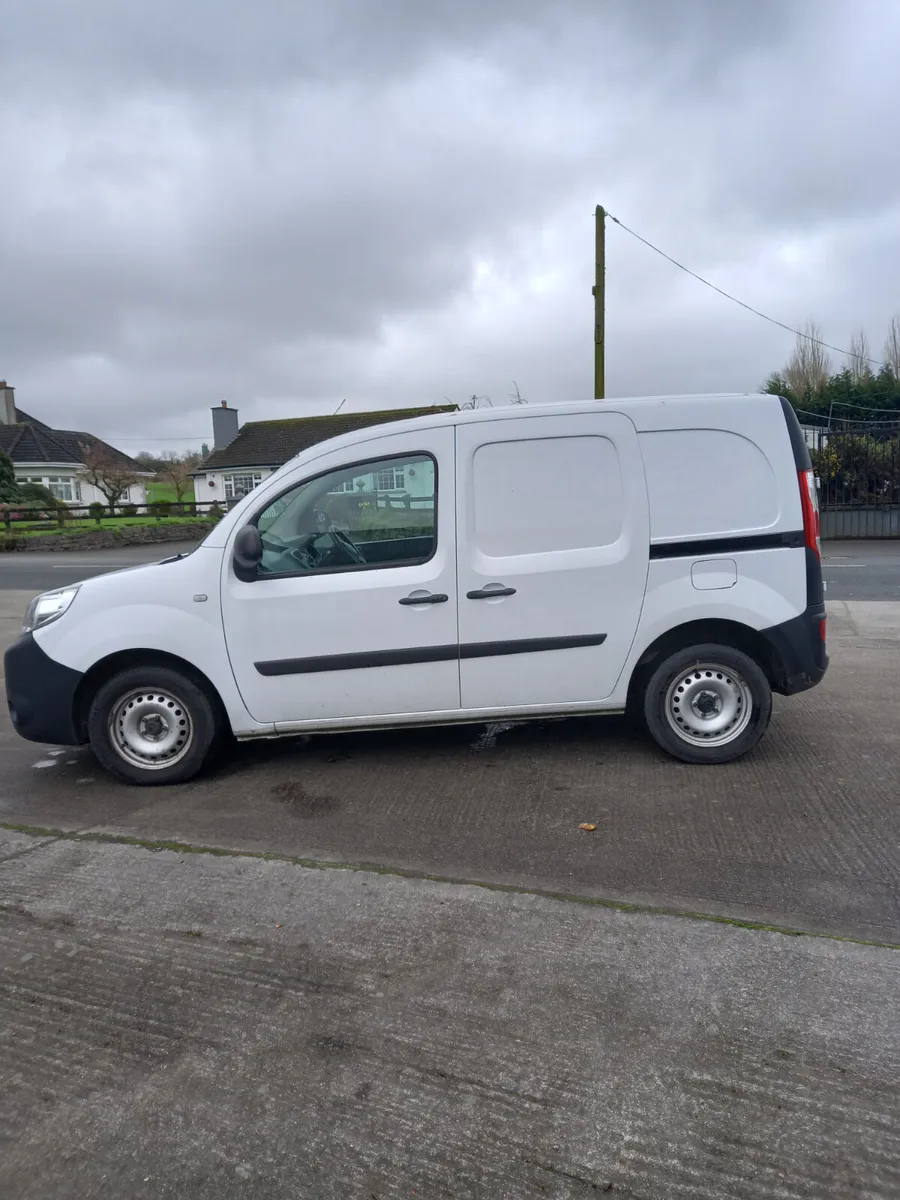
x=708, y=705
x=151, y=728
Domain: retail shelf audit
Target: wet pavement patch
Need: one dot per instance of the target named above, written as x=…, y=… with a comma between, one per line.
x=300, y=803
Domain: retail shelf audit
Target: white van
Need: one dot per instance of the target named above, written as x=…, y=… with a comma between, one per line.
x=659, y=555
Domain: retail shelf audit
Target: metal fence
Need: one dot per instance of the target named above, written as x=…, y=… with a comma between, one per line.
x=858, y=471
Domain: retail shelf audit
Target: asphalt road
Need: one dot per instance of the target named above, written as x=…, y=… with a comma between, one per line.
x=853, y=570
x=862, y=570
x=386, y=965
x=40, y=572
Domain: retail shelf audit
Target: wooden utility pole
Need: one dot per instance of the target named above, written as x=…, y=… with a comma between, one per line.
x=599, y=291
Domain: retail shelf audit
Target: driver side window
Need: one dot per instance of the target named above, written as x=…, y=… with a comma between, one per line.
x=380, y=513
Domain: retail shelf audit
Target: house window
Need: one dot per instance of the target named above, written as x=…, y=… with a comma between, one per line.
x=239, y=485
x=64, y=488
x=390, y=479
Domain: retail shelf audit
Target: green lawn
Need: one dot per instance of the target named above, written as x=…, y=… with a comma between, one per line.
x=156, y=490
x=23, y=529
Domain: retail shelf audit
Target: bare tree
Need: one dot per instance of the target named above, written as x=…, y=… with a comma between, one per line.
x=809, y=367
x=517, y=397
x=858, y=357
x=175, y=469
x=476, y=402
x=892, y=347
x=110, y=473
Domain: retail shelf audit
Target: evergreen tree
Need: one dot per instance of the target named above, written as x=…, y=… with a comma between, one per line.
x=9, y=489
x=858, y=393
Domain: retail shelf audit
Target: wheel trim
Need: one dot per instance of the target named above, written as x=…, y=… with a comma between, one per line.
x=150, y=728
x=708, y=705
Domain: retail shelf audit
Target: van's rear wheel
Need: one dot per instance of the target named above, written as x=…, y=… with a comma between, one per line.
x=708, y=704
x=152, y=725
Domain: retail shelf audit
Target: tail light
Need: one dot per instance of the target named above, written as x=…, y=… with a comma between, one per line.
x=809, y=500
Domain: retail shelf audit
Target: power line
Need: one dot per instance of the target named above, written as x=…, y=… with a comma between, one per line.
x=734, y=299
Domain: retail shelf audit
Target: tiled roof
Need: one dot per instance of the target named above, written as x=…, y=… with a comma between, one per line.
x=30, y=444
x=271, y=443
x=24, y=419
x=32, y=441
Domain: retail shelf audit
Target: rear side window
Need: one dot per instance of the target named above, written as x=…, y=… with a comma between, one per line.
x=546, y=494
x=706, y=482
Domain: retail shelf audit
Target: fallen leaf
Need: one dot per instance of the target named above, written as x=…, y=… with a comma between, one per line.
x=588, y=828
x=277, y=926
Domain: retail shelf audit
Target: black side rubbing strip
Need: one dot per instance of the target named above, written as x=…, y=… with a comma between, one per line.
x=529, y=645
x=422, y=654
x=730, y=545
x=352, y=662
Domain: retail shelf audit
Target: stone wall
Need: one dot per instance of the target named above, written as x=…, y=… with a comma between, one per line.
x=110, y=539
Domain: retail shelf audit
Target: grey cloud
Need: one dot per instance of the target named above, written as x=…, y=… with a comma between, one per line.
x=286, y=203
x=216, y=43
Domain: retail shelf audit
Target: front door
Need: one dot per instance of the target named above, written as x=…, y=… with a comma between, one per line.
x=554, y=550
x=352, y=613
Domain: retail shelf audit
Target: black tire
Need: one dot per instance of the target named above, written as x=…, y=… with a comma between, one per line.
x=158, y=708
x=682, y=694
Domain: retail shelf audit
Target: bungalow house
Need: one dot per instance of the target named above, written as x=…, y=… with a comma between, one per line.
x=243, y=456
x=55, y=457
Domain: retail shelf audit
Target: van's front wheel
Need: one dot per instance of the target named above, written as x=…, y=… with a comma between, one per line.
x=152, y=725
x=708, y=704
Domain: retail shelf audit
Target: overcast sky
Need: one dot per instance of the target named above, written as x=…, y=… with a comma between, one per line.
x=286, y=203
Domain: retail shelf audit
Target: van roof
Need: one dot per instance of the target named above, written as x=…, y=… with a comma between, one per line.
x=509, y=412
x=513, y=411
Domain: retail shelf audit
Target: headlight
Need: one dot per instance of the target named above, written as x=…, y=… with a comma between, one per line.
x=48, y=607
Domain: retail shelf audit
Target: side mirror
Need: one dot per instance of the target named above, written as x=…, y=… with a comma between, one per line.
x=247, y=553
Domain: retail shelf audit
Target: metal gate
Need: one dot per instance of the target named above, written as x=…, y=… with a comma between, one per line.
x=858, y=468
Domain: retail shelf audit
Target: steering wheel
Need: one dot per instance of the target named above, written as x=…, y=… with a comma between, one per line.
x=348, y=545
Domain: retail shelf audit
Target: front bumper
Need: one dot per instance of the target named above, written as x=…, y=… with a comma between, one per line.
x=40, y=694
x=799, y=651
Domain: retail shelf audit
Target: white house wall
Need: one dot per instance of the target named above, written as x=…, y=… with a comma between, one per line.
x=43, y=473
x=210, y=488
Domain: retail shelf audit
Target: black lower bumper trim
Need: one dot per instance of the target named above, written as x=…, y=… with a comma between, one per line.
x=799, y=651
x=40, y=693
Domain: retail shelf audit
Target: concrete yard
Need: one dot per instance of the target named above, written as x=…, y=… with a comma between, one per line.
x=392, y=965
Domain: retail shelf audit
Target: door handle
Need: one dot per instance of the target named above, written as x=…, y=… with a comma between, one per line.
x=489, y=593
x=431, y=598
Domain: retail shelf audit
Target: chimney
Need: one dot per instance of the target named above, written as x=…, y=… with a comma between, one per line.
x=7, y=404
x=225, y=425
